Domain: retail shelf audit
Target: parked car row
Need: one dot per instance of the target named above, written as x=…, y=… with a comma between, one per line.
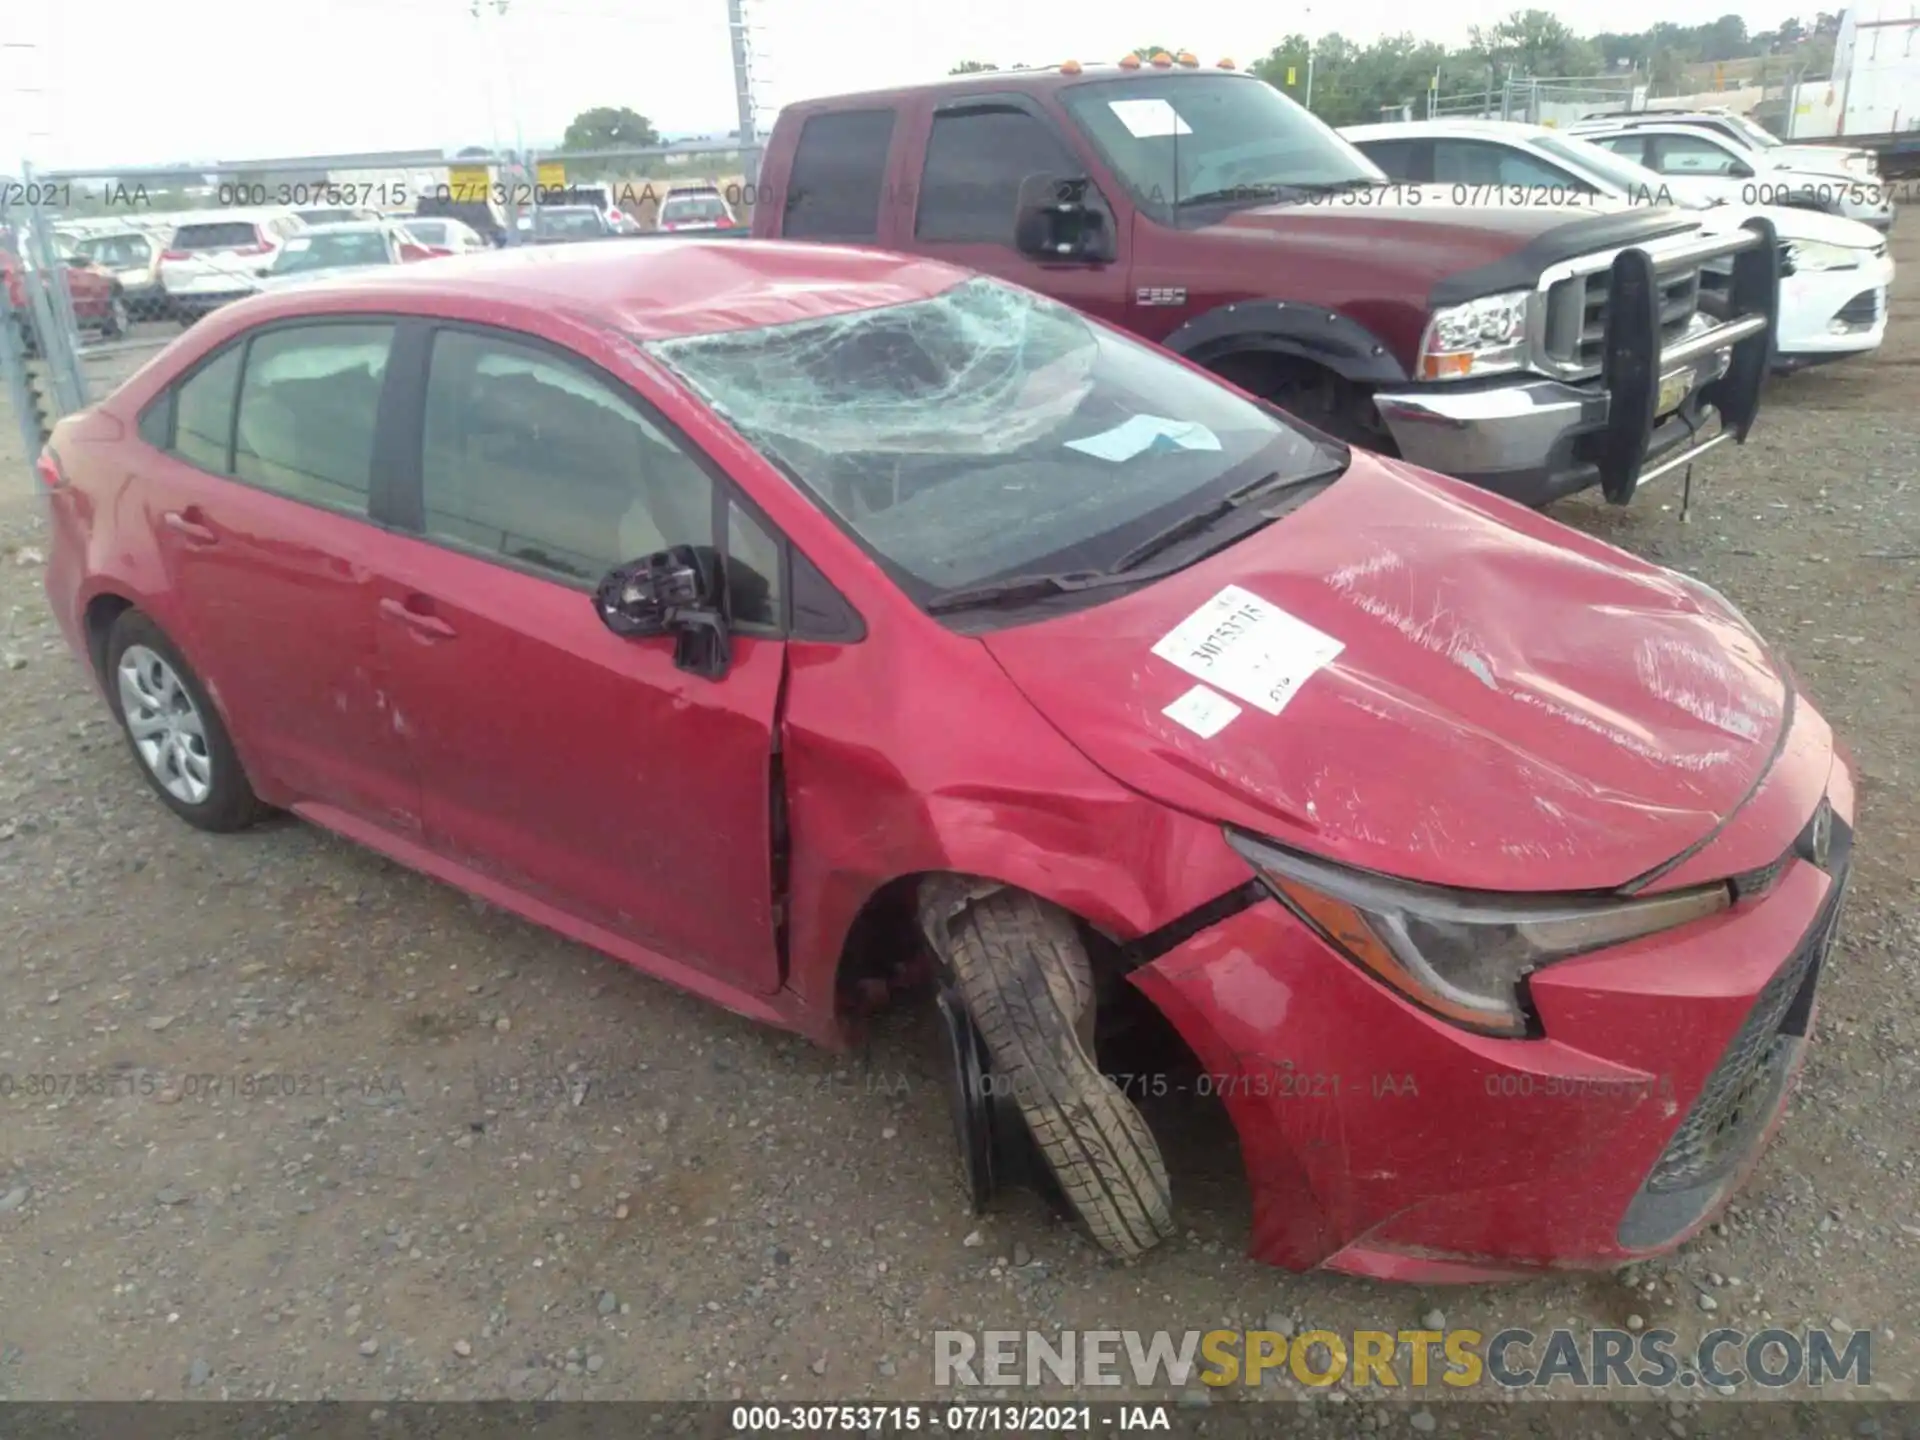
x=1835, y=273
x=1065, y=568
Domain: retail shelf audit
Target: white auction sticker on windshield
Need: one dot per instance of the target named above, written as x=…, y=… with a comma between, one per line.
x=1202, y=711
x=1149, y=119
x=1254, y=651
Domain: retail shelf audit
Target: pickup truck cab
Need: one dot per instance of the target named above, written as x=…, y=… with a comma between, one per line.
x=1203, y=210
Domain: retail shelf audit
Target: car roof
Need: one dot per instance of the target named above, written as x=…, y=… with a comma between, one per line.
x=1035, y=80
x=1414, y=129
x=657, y=291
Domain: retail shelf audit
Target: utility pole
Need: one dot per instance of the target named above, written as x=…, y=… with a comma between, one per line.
x=743, y=96
x=1309, y=23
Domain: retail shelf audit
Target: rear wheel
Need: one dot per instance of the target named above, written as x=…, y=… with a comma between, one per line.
x=177, y=737
x=117, y=318
x=1020, y=968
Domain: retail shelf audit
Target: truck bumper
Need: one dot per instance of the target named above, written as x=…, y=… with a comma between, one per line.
x=1534, y=440
x=1659, y=401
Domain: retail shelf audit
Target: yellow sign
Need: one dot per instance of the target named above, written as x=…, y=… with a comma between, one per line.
x=551, y=175
x=468, y=184
x=1289, y=75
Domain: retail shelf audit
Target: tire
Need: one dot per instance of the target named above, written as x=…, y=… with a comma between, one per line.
x=1022, y=970
x=197, y=772
x=117, y=318
x=1310, y=394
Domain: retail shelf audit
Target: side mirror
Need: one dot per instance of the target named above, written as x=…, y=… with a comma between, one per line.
x=1053, y=221
x=676, y=592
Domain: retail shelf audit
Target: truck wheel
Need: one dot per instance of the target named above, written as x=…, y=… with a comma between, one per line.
x=1023, y=975
x=1313, y=395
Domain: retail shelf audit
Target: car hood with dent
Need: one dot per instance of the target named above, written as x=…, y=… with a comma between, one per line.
x=1517, y=707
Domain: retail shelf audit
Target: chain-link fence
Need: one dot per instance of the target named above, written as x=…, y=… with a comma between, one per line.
x=109, y=264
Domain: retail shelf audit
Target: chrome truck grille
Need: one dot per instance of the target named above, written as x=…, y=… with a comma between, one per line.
x=1570, y=316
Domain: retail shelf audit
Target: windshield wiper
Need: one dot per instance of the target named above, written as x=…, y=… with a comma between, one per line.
x=1016, y=589
x=1205, y=519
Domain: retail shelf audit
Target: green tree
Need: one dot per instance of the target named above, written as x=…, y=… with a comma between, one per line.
x=1147, y=52
x=972, y=67
x=1537, y=42
x=609, y=127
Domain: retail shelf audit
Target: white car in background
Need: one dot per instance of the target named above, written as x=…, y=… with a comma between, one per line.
x=696, y=207
x=218, y=255
x=321, y=252
x=1838, y=181
x=1835, y=273
x=1744, y=132
x=445, y=237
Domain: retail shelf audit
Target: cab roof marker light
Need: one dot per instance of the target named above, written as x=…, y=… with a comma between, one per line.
x=1129, y=62
x=1161, y=60
x=1070, y=67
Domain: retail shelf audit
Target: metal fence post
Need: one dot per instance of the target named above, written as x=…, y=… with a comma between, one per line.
x=52, y=305
x=13, y=361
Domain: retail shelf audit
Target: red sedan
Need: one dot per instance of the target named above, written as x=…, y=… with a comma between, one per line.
x=791, y=623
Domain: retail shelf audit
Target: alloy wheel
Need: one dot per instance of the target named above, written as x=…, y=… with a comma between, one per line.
x=166, y=725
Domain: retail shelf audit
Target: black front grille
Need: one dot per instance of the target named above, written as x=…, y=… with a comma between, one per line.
x=1862, y=312
x=1577, y=314
x=1734, y=1105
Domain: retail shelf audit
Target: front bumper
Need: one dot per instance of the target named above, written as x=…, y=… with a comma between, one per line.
x=1381, y=1141
x=1655, y=404
x=1533, y=440
x=1831, y=314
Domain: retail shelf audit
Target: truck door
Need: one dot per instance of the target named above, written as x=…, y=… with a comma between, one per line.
x=978, y=154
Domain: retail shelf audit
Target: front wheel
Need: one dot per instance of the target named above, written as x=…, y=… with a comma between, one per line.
x=117, y=317
x=1022, y=972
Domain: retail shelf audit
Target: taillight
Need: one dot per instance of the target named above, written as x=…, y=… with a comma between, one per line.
x=47, y=467
x=616, y=218
x=176, y=254
x=263, y=248
x=725, y=222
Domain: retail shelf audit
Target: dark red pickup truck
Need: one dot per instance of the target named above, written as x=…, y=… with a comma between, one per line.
x=1535, y=350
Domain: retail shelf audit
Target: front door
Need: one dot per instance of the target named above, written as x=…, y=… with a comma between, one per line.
x=578, y=767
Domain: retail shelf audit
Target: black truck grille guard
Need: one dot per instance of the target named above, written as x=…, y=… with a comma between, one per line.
x=1634, y=313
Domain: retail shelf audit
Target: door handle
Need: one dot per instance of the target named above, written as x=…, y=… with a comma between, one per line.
x=426, y=624
x=182, y=523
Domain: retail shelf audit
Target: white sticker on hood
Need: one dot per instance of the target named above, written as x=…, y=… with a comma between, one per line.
x=1254, y=651
x=1202, y=711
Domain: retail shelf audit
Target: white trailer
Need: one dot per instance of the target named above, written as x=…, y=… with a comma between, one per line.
x=1873, y=98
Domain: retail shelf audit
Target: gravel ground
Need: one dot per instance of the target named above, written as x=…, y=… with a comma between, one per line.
x=489, y=1163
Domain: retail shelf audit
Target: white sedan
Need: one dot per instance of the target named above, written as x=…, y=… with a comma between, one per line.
x=1835, y=275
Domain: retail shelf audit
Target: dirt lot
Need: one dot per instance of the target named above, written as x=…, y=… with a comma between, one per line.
x=486, y=1162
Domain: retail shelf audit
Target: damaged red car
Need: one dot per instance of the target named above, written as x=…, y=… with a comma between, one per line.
x=788, y=621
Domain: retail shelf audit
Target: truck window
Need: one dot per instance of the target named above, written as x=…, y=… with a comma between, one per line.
x=977, y=161
x=839, y=170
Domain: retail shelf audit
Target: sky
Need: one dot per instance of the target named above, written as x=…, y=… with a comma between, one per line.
x=107, y=83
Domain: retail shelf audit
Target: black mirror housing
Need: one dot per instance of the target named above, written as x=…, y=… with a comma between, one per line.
x=1053, y=221
x=679, y=592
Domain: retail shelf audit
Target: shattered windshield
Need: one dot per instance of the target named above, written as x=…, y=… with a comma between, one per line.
x=987, y=431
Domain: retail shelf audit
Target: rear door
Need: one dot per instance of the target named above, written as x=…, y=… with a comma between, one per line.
x=581, y=768
x=263, y=501
x=982, y=157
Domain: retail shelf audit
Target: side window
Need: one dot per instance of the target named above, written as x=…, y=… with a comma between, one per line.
x=1474, y=162
x=839, y=171
x=156, y=421
x=203, y=410
x=308, y=405
x=753, y=569
x=1634, y=147
x=1396, y=158
x=530, y=458
x=1694, y=155
x=977, y=161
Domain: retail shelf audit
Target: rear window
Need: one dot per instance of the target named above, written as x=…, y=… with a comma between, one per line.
x=839, y=171
x=118, y=249
x=217, y=235
x=695, y=207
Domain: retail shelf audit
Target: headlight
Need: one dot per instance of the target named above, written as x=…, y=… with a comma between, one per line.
x=1459, y=955
x=1481, y=337
x=1818, y=255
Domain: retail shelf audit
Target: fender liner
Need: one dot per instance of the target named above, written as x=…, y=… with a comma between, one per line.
x=1286, y=327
